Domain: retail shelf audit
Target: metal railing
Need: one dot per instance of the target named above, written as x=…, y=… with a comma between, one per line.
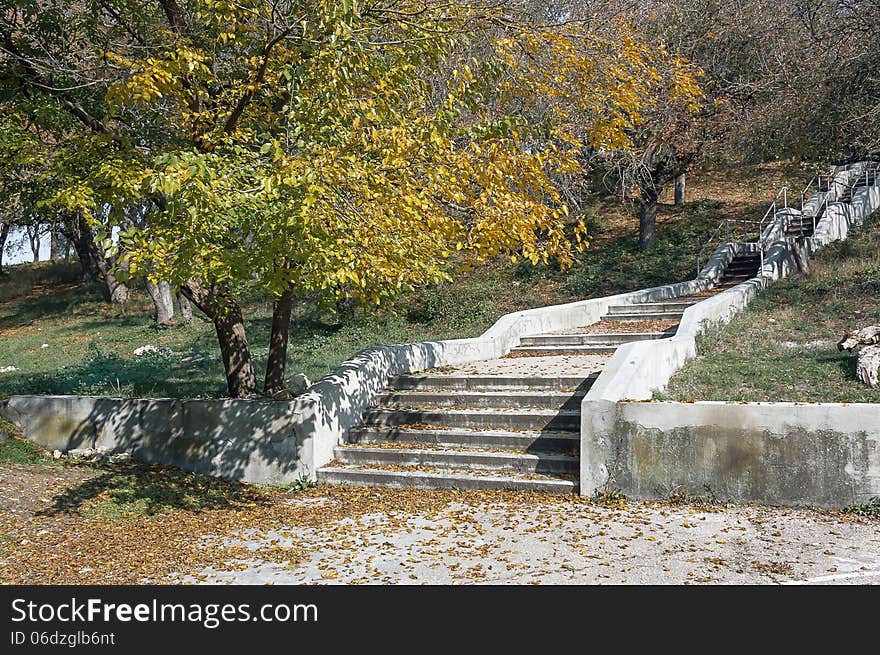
x=764, y=235
x=773, y=210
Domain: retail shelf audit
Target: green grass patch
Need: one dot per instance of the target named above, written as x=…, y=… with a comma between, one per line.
x=783, y=346
x=870, y=508
x=17, y=450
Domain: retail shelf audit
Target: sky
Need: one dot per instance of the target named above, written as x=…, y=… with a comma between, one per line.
x=18, y=248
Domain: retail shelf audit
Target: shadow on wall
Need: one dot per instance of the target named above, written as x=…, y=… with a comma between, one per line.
x=235, y=439
x=260, y=440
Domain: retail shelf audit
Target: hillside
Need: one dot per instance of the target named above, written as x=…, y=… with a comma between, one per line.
x=63, y=338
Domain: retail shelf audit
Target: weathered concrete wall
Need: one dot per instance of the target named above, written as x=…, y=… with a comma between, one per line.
x=822, y=455
x=249, y=440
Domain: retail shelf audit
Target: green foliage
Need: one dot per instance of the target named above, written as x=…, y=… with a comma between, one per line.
x=870, y=508
x=620, y=265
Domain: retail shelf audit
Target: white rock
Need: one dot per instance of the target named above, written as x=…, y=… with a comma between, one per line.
x=56, y=454
x=7, y=369
x=45, y=345
x=299, y=383
x=150, y=349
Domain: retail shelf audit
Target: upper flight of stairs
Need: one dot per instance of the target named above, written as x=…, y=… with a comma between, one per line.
x=860, y=181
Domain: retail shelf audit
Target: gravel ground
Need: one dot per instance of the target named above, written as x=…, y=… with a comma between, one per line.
x=520, y=540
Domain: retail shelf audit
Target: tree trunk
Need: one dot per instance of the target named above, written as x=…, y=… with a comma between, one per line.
x=4, y=233
x=679, y=190
x=33, y=232
x=117, y=292
x=186, y=310
x=229, y=326
x=57, y=244
x=162, y=301
x=278, y=343
x=647, y=221
x=79, y=234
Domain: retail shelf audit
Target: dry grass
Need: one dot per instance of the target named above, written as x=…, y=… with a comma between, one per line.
x=783, y=347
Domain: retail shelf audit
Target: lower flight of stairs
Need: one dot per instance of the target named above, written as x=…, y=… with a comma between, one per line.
x=467, y=432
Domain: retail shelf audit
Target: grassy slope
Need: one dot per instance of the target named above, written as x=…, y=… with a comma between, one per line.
x=90, y=343
x=783, y=347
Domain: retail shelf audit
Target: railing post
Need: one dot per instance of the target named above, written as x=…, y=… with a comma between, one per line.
x=727, y=229
x=785, y=196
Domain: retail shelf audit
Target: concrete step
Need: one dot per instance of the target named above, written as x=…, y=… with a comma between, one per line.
x=433, y=479
x=484, y=460
x=651, y=307
x=644, y=316
x=550, y=351
x=614, y=339
x=489, y=439
x=489, y=382
x=507, y=399
x=533, y=419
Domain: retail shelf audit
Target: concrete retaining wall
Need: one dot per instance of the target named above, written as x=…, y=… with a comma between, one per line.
x=615, y=453
x=821, y=455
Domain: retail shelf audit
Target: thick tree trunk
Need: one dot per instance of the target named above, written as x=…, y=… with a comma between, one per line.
x=278, y=343
x=229, y=326
x=162, y=301
x=4, y=234
x=679, y=190
x=186, y=310
x=79, y=234
x=117, y=292
x=647, y=221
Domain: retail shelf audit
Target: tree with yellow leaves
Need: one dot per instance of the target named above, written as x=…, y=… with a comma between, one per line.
x=330, y=147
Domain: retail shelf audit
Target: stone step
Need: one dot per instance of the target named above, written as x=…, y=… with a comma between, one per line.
x=613, y=339
x=484, y=460
x=489, y=439
x=489, y=382
x=651, y=307
x=432, y=479
x=644, y=316
x=507, y=399
x=550, y=351
x=534, y=419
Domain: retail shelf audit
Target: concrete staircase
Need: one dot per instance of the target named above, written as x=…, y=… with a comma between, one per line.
x=467, y=432
x=742, y=268
x=518, y=432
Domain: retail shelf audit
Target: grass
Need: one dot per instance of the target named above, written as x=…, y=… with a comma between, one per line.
x=17, y=450
x=783, y=346
x=64, y=339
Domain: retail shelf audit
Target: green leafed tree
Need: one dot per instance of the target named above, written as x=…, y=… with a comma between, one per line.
x=325, y=149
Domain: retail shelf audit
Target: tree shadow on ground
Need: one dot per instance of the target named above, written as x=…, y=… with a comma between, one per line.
x=142, y=489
